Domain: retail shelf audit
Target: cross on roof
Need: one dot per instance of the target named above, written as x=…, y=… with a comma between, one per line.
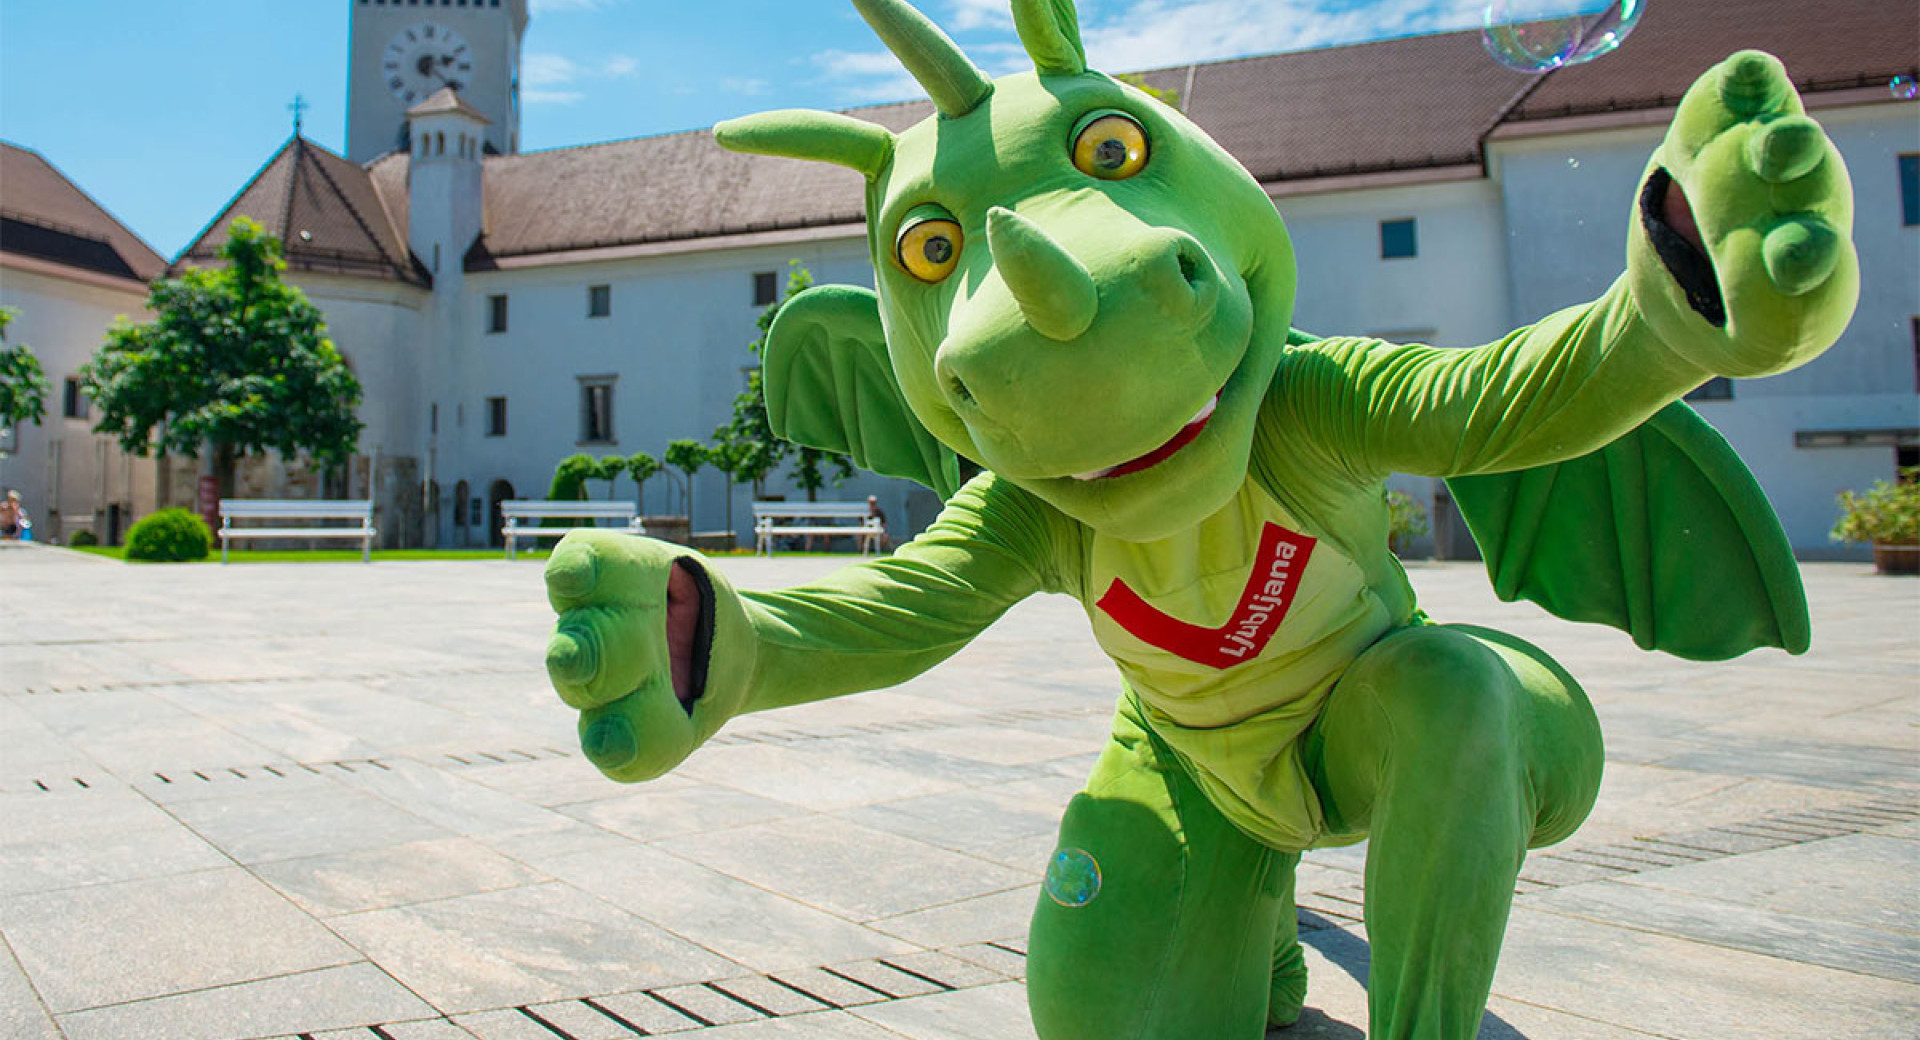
x=299, y=109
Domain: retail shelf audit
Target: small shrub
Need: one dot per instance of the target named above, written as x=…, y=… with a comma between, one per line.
x=170, y=536
x=1889, y=514
x=1406, y=520
x=82, y=538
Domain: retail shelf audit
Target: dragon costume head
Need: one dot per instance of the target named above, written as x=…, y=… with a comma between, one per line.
x=1077, y=288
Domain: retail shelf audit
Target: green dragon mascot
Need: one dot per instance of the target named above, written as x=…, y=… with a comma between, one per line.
x=1084, y=295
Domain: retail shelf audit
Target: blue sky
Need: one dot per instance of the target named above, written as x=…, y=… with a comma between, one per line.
x=163, y=110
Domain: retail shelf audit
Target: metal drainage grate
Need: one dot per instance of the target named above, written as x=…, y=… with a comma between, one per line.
x=1559, y=868
x=508, y=757
x=696, y=1006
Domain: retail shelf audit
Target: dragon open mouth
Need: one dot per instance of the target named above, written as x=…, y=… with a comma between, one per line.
x=1162, y=453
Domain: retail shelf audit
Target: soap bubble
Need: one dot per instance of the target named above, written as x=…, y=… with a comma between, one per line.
x=1073, y=877
x=1543, y=35
x=1904, y=88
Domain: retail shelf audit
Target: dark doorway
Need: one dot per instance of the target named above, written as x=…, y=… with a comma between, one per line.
x=460, y=495
x=501, y=491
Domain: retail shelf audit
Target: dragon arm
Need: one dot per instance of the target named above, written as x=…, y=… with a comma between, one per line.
x=878, y=623
x=1739, y=263
x=1552, y=391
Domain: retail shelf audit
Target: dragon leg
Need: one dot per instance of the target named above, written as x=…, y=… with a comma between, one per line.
x=1158, y=918
x=1456, y=749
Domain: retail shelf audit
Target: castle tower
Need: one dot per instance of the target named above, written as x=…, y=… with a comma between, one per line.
x=405, y=51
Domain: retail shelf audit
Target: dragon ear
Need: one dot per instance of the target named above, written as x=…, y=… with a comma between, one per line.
x=799, y=133
x=1050, y=29
x=830, y=385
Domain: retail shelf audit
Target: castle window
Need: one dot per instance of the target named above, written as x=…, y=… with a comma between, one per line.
x=497, y=313
x=74, y=403
x=1719, y=388
x=1398, y=239
x=1910, y=190
x=599, y=301
x=496, y=417
x=596, y=409
x=765, y=288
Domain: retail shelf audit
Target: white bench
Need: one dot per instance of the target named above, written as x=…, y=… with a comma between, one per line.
x=775, y=519
x=283, y=509
x=536, y=510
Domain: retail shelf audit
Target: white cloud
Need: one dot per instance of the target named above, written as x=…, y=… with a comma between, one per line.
x=1131, y=35
x=980, y=14
x=551, y=97
x=749, y=86
x=1156, y=33
x=554, y=79
x=547, y=70
x=871, y=75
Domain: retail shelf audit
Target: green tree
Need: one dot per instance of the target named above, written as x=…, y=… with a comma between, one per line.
x=236, y=362
x=641, y=466
x=1168, y=97
x=23, y=384
x=569, y=484
x=609, y=468
x=810, y=473
x=687, y=456
x=748, y=436
x=729, y=457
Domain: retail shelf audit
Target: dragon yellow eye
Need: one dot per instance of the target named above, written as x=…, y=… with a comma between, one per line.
x=930, y=249
x=1112, y=148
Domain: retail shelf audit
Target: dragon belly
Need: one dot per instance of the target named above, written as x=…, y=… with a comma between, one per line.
x=1230, y=637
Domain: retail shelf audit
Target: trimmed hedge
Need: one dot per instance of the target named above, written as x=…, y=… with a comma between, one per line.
x=82, y=537
x=170, y=536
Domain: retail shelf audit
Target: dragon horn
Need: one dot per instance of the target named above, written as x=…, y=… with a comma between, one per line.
x=798, y=133
x=953, y=82
x=1050, y=30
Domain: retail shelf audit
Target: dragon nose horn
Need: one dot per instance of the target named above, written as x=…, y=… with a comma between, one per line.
x=1055, y=293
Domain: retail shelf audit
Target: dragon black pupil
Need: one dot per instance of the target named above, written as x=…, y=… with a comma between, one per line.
x=938, y=250
x=1110, y=153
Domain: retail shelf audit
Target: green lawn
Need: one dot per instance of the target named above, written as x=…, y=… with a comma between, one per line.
x=353, y=555
x=333, y=555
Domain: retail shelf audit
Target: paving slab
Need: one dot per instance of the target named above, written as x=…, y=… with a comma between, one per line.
x=133, y=940
x=523, y=945
x=286, y=800
x=270, y=1006
x=762, y=929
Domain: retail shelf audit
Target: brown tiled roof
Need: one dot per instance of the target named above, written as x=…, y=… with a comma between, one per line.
x=324, y=209
x=45, y=216
x=1416, y=103
x=1825, y=46
x=1393, y=104
x=446, y=99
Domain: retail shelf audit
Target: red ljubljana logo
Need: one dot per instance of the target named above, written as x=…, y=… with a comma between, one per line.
x=1263, y=604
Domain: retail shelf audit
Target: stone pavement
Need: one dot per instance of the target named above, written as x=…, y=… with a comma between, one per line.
x=338, y=801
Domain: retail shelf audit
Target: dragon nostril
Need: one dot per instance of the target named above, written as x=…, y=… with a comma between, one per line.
x=958, y=387
x=1189, y=267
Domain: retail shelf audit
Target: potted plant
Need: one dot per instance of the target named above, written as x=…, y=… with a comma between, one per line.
x=1888, y=518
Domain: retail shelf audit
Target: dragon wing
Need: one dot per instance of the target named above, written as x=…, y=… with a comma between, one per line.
x=830, y=385
x=1663, y=534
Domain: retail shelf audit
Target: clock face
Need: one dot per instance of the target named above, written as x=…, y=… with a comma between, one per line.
x=421, y=59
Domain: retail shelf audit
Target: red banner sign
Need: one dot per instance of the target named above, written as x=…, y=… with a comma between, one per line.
x=1263, y=604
